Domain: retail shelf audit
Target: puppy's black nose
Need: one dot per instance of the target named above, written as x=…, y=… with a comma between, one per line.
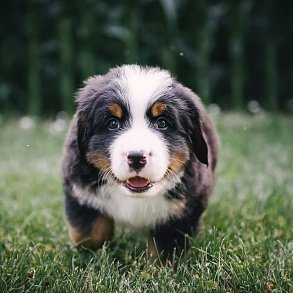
x=136, y=160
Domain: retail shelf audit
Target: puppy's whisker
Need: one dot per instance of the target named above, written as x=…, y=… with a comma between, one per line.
x=178, y=160
x=108, y=176
x=173, y=178
x=172, y=173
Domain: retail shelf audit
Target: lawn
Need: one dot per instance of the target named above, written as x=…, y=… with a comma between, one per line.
x=245, y=243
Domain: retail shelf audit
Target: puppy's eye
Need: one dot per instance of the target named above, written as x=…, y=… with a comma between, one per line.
x=113, y=124
x=162, y=124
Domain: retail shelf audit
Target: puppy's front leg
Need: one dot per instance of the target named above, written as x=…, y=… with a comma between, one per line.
x=171, y=238
x=88, y=227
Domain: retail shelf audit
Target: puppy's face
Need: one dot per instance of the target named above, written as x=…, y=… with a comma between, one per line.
x=139, y=129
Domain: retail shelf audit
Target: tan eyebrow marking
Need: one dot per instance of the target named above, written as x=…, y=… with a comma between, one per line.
x=116, y=110
x=158, y=108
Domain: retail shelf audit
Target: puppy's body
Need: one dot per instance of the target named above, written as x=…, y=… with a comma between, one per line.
x=141, y=151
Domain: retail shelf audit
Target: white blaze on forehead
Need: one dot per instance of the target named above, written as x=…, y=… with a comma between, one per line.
x=142, y=86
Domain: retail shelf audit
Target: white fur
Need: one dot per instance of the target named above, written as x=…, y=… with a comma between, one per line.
x=141, y=88
x=130, y=212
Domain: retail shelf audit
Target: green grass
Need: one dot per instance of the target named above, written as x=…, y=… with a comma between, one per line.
x=245, y=244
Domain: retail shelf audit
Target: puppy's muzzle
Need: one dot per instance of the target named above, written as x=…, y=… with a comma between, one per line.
x=136, y=160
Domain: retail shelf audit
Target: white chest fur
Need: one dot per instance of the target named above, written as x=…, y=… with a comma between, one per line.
x=131, y=212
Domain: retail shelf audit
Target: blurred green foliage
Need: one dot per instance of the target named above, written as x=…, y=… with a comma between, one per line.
x=229, y=52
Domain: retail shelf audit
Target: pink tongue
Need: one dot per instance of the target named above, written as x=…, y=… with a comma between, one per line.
x=137, y=182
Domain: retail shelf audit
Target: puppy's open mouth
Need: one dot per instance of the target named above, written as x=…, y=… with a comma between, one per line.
x=138, y=184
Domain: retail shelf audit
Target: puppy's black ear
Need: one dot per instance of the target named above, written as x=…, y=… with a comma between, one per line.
x=85, y=98
x=199, y=145
x=83, y=132
x=192, y=106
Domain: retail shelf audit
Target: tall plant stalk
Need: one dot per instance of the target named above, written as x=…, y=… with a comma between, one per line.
x=87, y=37
x=170, y=10
x=271, y=75
x=237, y=74
x=203, y=50
x=131, y=42
x=34, y=79
x=66, y=64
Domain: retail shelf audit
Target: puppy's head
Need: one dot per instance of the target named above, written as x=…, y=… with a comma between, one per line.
x=139, y=128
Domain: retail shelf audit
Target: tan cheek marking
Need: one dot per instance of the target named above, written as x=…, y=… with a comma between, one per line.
x=116, y=110
x=102, y=231
x=158, y=109
x=177, y=161
x=99, y=160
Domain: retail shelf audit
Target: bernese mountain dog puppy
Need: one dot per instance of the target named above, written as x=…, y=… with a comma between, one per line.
x=141, y=152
